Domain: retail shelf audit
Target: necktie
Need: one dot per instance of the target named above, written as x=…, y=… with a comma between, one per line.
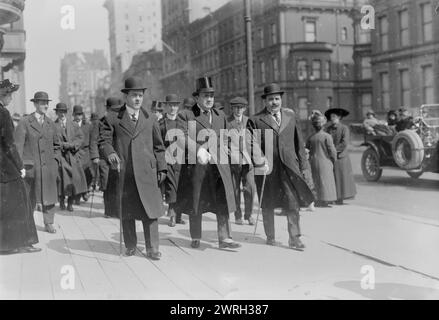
x=134, y=118
x=208, y=113
x=277, y=118
x=41, y=120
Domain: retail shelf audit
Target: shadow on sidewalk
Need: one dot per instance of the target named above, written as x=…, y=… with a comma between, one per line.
x=410, y=183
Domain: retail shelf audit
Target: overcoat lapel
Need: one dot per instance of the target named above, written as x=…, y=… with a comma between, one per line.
x=34, y=123
x=201, y=117
x=141, y=123
x=125, y=122
x=286, y=118
x=268, y=119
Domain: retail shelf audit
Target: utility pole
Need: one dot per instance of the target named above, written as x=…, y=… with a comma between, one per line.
x=249, y=50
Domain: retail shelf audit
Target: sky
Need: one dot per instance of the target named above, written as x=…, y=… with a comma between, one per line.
x=47, y=41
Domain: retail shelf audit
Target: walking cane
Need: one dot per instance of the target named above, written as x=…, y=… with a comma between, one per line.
x=119, y=204
x=93, y=190
x=260, y=202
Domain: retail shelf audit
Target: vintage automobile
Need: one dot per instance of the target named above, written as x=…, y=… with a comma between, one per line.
x=414, y=150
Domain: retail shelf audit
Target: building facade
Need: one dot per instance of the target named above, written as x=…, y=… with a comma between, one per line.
x=12, y=50
x=135, y=26
x=405, y=54
x=82, y=76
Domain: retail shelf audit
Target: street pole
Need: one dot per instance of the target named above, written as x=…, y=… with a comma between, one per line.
x=249, y=50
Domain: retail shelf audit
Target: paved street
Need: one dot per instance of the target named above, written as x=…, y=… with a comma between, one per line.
x=375, y=230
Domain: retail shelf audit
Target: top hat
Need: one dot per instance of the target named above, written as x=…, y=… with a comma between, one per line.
x=77, y=110
x=156, y=106
x=61, y=107
x=239, y=102
x=272, y=88
x=8, y=87
x=204, y=84
x=40, y=96
x=171, y=98
x=188, y=102
x=133, y=83
x=338, y=111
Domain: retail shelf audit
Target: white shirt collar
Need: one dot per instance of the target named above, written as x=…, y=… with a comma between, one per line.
x=132, y=111
x=171, y=117
x=239, y=119
x=79, y=123
x=39, y=116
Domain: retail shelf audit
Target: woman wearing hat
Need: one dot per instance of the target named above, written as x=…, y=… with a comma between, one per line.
x=322, y=155
x=344, y=178
x=17, y=226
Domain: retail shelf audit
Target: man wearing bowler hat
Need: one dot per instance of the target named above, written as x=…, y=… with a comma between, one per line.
x=241, y=167
x=131, y=142
x=38, y=146
x=157, y=109
x=188, y=103
x=285, y=186
x=72, y=181
x=206, y=185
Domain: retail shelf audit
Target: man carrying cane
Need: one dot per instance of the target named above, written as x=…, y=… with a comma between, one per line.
x=131, y=141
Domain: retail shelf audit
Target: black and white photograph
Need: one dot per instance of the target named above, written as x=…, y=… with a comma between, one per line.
x=219, y=154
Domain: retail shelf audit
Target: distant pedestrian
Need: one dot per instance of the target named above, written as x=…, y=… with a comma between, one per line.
x=322, y=155
x=344, y=177
x=157, y=109
x=188, y=103
x=16, y=119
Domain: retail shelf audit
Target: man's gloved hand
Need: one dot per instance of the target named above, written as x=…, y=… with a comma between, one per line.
x=161, y=176
x=203, y=156
x=114, y=161
x=23, y=173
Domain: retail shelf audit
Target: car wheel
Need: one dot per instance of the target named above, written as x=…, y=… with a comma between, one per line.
x=370, y=165
x=408, y=150
x=415, y=174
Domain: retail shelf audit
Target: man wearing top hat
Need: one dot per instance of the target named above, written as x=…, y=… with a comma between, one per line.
x=285, y=186
x=130, y=140
x=170, y=185
x=206, y=186
x=240, y=165
x=72, y=181
x=38, y=146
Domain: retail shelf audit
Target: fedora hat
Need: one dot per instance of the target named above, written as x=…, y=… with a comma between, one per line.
x=78, y=110
x=133, y=83
x=156, y=106
x=40, y=96
x=338, y=111
x=272, y=88
x=172, y=98
x=204, y=84
x=61, y=107
x=7, y=86
x=188, y=102
x=239, y=102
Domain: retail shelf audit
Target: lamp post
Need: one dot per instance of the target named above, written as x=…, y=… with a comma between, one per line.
x=249, y=51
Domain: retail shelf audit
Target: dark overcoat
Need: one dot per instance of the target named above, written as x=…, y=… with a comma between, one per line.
x=344, y=177
x=142, y=154
x=72, y=177
x=322, y=155
x=84, y=150
x=204, y=188
x=39, y=146
x=285, y=184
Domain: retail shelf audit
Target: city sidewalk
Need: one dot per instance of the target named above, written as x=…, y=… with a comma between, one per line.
x=342, y=244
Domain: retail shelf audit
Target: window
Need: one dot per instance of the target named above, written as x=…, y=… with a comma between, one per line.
x=345, y=70
x=301, y=69
x=327, y=71
x=427, y=84
x=261, y=38
x=273, y=33
x=404, y=28
x=329, y=103
x=404, y=79
x=427, y=22
x=364, y=35
x=303, y=108
x=366, y=103
x=316, y=66
x=385, y=95
x=366, y=70
x=275, y=68
x=344, y=34
x=310, y=31
x=262, y=72
x=384, y=37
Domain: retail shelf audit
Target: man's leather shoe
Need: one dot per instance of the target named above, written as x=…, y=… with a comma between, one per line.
x=181, y=221
x=85, y=197
x=296, y=244
x=239, y=222
x=62, y=205
x=130, y=252
x=29, y=249
x=195, y=244
x=339, y=202
x=50, y=229
x=171, y=222
x=70, y=207
x=229, y=245
x=154, y=255
x=251, y=221
x=77, y=202
x=272, y=242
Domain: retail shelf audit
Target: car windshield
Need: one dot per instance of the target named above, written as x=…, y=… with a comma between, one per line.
x=430, y=115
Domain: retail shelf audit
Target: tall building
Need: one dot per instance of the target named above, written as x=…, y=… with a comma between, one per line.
x=12, y=50
x=405, y=54
x=135, y=26
x=178, y=76
x=83, y=74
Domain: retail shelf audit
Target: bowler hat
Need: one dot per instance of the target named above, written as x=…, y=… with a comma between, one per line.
x=338, y=111
x=156, y=106
x=113, y=103
x=239, y=102
x=8, y=87
x=40, y=96
x=61, y=107
x=133, y=83
x=272, y=88
x=204, y=84
x=172, y=98
x=77, y=110
x=188, y=102
x=94, y=116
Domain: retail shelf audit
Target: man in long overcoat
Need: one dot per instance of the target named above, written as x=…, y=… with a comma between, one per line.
x=72, y=181
x=206, y=184
x=39, y=147
x=285, y=161
x=131, y=140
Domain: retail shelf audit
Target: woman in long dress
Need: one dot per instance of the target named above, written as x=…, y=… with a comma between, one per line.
x=17, y=226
